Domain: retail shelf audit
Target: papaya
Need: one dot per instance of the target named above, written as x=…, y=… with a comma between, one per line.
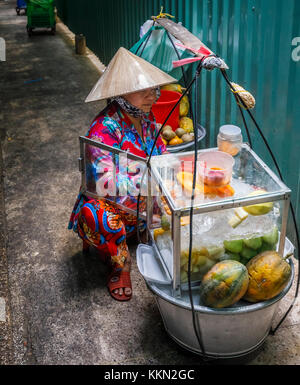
x=224, y=284
x=268, y=274
x=172, y=87
x=184, y=106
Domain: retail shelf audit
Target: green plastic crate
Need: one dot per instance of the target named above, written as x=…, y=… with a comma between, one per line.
x=40, y=14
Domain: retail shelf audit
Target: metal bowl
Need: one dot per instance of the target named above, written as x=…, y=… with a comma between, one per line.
x=233, y=332
x=189, y=145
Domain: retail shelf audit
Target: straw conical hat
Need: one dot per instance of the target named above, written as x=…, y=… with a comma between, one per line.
x=127, y=73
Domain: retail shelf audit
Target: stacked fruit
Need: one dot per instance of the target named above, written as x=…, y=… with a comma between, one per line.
x=203, y=258
x=263, y=278
x=243, y=250
x=185, y=132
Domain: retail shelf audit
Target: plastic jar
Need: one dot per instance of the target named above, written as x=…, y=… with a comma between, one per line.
x=230, y=139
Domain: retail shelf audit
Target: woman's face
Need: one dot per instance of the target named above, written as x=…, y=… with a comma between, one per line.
x=142, y=99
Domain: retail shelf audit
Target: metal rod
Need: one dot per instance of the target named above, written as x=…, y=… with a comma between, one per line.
x=286, y=206
x=114, y=150
x=176, y=235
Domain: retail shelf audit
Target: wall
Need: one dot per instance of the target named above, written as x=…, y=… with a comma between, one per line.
x=255, y=39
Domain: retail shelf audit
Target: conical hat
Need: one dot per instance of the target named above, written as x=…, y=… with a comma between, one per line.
x=127, y=73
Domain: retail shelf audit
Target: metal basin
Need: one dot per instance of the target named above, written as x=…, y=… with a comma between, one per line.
x=227, y=333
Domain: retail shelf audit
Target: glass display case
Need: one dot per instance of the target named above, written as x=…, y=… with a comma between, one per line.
x=236, y=218
x=240, y=207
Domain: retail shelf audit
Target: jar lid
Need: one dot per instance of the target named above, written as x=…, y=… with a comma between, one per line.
x=230, y=132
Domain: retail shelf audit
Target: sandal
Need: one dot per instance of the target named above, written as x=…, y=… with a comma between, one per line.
x=119, y=280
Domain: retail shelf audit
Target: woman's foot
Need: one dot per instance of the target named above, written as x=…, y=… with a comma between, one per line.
x=119, y=283
x=126, y=290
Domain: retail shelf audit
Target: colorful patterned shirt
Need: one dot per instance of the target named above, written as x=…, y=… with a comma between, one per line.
x=113, y=127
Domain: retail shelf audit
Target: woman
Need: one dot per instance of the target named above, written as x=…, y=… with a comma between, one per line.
x=132, y=86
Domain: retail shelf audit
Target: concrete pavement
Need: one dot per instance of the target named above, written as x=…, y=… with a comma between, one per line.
x=56, y=307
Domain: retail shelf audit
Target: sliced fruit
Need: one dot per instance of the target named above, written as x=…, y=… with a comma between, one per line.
x=234, y=246
x=259, y=208
x=215, y=252
x=271, y=237
x=186, y=181
x=234, y=221
x=248, y=253
x=238, y=218
x=229, y=255
x=158, y=232
x=184, y=221
x=266, y=247
x=253, y=243
x=225, y=191
x=165, y=224
x=241, y=213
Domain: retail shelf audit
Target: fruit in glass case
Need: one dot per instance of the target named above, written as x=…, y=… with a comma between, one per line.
x=258, y=208
x=248, y=253
x=224, y=284
x=271, y=237
x=234, y=246
x=253, y=243
x=165, y=223
x=229, y=255
x=268, y=275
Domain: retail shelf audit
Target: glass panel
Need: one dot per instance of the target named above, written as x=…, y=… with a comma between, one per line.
x=115, y=177
x=219, y=235
x=215, y=181
x=161, y=227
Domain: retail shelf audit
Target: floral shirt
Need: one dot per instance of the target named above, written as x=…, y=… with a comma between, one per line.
x=113, y=127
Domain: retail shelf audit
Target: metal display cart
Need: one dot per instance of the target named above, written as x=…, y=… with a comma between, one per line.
x=225, y=331
x=194, y=222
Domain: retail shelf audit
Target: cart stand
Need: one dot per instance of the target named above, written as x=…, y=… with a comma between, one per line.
x=250, y=170
x=225, y=332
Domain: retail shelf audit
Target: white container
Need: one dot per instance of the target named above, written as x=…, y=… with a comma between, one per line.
x=230, y=139
x=215, y=168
